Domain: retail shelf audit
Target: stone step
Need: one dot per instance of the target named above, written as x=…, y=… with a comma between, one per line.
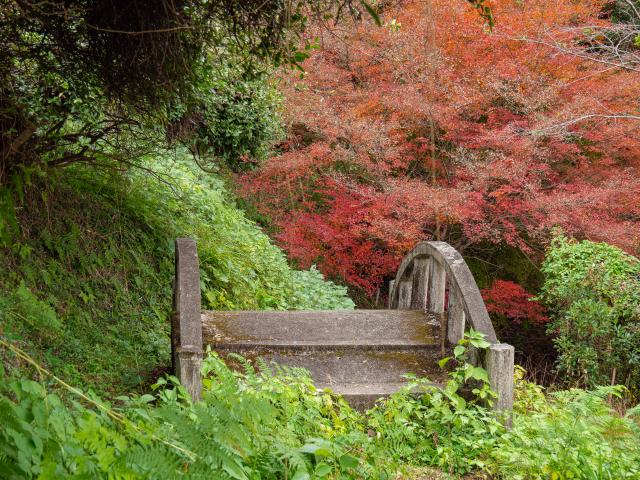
x=361, y=376
x=361, y=354
x=362, y=396
x=348, y=366
x=373, y=329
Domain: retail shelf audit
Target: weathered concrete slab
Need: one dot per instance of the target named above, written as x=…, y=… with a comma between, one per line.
x=347, y=365
x=372, y=328
x=361, y=376
x=362, y=396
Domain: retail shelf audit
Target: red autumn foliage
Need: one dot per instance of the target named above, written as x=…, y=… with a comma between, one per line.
x=513, y=302
x=442, y=130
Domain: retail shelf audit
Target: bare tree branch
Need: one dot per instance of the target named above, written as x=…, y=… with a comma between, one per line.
x=563, y=126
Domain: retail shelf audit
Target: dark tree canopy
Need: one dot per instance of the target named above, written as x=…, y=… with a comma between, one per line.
x=79, y=71
x=145, y=48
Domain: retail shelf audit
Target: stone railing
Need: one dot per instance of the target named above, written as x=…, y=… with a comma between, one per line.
x=435, y=278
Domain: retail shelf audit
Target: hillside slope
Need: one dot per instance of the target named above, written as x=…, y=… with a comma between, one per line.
x=87, y=288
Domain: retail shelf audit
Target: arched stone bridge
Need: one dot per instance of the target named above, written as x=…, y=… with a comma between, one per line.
x=361, y=354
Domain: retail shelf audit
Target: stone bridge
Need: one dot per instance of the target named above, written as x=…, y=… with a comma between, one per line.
x=360, y=354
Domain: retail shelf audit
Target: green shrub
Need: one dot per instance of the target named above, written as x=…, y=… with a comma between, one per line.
x=593, y=291
x=528, y=397
x=234, y=120
x=574, y=434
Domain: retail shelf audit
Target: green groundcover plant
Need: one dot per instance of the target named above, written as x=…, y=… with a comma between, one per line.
x=274, y=423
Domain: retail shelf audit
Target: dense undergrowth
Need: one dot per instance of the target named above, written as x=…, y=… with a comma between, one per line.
x=86, y=302
x=593, y=294
x=275, y=424
x=87, y=289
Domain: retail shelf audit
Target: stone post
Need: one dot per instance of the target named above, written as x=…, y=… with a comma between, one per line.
x=499, y=361
x=437, y=286
x=456, y=316
x=420, y=282
x=186, y=324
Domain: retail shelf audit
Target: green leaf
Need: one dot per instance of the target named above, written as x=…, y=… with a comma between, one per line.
x=300, y=56
x=459, y=350
x=309, y=448
x=320, y=449
x=301, y=474
x=234, y=469
x=322, y=470
x=323, y=452
x=477, y=373
x=479, y=343
x=452, y=386
x=442, y=363
x=372, y=11
x=348, y=461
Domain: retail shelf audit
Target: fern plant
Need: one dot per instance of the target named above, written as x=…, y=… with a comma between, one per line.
x=273, y=423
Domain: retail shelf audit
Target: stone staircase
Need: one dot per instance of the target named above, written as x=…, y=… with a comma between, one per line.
x=360, y=354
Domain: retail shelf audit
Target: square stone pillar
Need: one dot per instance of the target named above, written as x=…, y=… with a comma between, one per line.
x=186, y=324
x=499, y=363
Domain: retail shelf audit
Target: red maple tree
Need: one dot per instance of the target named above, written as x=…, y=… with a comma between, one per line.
x=510, y=300
x=432, y=127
